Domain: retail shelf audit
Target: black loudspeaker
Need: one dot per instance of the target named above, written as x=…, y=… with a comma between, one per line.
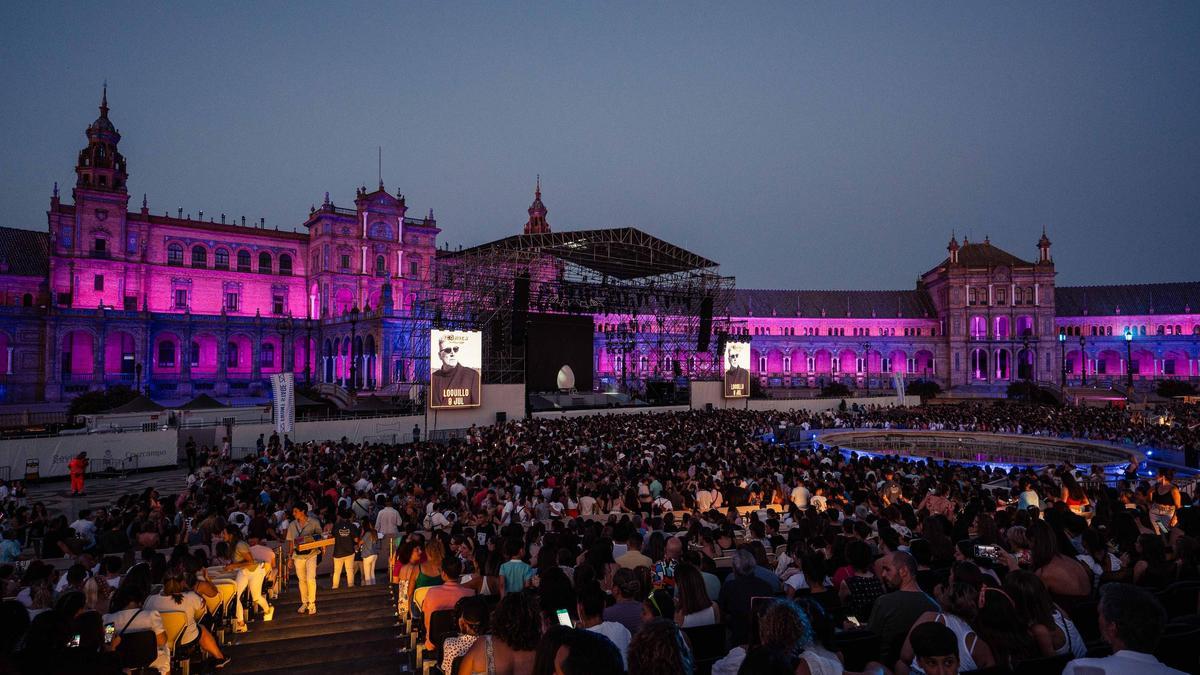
x=496, y=334
x=1191, y=457
x=501, y=417
x=706, y=307
x=520, y=313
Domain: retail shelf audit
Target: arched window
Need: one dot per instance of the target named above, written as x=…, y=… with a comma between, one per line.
x=315, y=264
x=285, y=265
x=222, y=259
x=174, y=254
x=166, y=353
x=978, y=328
x=199, y=256
x=264, y=263
x=243, y=261
x=787, y=364
x=380, y=266
x=27, y=301
x=195, y=354
x=266, y=355
x=231, y=355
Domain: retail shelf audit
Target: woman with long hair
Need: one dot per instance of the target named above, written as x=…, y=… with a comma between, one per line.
x=509, y=648
x=175, y=597
x=1064, y=577
x=1001, y=629
x=368, y=548
x=1152, y=569
x=1051, y=630
x=694, y=607
x=960, y=605
x=408, y=559
x=660, y=648
x=860, y=590
x=1072, y=493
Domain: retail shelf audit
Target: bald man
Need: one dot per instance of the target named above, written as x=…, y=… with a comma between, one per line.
x=895, y=613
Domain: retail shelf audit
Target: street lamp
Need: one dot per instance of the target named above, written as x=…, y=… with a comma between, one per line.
x=1128, y=362
x=867, y=364
x=1082, y=361
x=285, y=328
x=1025, y=355
x=308, y=357
x=621, y=340
x=353, y=356
x=1062, y=360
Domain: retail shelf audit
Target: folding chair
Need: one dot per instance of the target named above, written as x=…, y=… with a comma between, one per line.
x=227, y=592
x=708, y=645
x=138, y=649
x=174, y=624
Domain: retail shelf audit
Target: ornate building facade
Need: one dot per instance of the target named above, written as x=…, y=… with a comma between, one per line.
x=178, y=305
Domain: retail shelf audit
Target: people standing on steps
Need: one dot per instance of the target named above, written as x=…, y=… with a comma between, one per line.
x=302, y=530
x=250, y=574
x=369, y=552
x=346, y=537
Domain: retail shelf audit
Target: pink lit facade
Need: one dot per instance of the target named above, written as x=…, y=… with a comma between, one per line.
x=179, y=305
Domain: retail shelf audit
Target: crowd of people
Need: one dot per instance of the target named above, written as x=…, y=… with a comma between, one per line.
x=611, y=543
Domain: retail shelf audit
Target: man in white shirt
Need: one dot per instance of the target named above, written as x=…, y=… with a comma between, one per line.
x=85, y=529
x=387, y=522
x=1131, y=622
x=801, y=496
x=591, y=617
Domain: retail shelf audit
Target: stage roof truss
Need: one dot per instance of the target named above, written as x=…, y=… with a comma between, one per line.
x=624, y=253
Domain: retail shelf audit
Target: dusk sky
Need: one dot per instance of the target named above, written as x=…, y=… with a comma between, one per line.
x=801, y=145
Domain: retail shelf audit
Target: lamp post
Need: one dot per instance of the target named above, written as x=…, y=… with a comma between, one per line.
x=621, y=340
x=867, y=364
x=308, y=357
x=1021, y=365
x=1128, y=362
x=1062, y=360
x=285, y=329
x=353, y=356
x=1082, y=361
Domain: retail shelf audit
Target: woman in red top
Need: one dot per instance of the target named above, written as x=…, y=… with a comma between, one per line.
x=77, y=467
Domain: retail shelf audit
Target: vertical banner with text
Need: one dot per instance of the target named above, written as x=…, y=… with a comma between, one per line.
x=283, y=388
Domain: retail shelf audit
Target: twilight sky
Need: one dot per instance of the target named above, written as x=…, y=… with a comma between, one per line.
x=802, y=145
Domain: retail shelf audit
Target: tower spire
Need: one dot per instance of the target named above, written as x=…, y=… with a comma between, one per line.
x=104, y=100
x=537, y=223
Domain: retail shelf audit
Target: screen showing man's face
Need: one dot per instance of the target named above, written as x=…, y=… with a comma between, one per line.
x=733, y=358
x=448, y=353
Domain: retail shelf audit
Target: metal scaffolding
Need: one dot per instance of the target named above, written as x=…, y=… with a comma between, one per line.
x=620, y=277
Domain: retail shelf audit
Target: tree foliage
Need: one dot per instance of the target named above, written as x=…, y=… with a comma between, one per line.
x=89, y=403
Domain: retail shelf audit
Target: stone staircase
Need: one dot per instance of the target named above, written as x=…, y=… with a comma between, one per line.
x=354, y=631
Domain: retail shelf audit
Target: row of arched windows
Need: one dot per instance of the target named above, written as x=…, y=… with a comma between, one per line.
x=221, y=260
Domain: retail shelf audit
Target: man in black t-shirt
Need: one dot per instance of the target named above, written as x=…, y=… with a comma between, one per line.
x=346, y=536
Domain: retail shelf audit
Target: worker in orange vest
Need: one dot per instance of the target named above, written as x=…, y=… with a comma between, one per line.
x=77, y=467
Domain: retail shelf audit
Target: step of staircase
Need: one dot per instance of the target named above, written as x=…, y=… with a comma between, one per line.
x=353, y=631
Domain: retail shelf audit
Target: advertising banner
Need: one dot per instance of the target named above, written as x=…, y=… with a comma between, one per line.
x=455, y=359
x=283, y=388
x=737, y=377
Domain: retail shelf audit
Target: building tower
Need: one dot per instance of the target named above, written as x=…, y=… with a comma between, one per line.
x=537, y=213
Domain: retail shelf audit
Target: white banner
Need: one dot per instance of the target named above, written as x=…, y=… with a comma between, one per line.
x=283, y=388
x=106, y=451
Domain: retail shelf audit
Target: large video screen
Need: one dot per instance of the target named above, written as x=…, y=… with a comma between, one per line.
x=737, y=375
x=559, y=352
x=456, y=357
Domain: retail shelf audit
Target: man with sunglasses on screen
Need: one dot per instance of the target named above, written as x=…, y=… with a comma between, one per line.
x=453, y=384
